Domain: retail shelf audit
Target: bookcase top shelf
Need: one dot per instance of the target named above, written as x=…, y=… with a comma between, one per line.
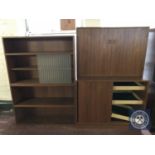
x=54, y=36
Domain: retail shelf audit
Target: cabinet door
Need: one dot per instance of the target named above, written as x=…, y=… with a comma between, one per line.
x=117, y=52
x=94, y=101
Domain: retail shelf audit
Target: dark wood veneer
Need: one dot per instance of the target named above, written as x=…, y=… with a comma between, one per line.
x=33, y=99
x=106, y=56
x=115, y=52
x=94, y=101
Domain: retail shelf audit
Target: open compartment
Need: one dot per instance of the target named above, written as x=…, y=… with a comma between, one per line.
x=41, y=68
x=30, y=45
x=21, y=68
x=120, y=86
x=44, y=103
x=121, y=112
x=43, y=96
x=127, y=97
x=20, y=62
x=45, y=115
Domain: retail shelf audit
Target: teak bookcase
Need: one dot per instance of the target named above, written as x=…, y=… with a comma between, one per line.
x=110, y=65
x=41, y=73
x=109, y=83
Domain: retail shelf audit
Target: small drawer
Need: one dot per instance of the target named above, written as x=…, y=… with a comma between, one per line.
x=130, y=98
x=120, y=86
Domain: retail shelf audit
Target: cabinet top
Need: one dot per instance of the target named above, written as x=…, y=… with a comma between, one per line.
x=146, y=27
x=40, y=36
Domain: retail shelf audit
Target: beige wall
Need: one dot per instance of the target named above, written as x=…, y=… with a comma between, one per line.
x=7, y=28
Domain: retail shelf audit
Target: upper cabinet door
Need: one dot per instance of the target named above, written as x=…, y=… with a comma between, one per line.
x=111, y=52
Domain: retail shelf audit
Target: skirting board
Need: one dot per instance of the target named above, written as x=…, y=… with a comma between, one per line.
x=6, y=105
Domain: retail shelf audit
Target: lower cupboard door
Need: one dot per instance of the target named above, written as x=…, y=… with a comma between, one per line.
x=94, y=101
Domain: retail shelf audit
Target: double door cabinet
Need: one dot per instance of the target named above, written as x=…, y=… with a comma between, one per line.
x=109, y=75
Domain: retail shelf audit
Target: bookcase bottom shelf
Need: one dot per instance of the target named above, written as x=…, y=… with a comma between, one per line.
x=54, y=119
x=46, y=110
x=45, y=115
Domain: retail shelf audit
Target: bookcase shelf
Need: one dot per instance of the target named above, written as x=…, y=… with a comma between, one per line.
x=24, y=69
x=46, y=103
x=33, y=69
x=36, y=83
x=36, y=53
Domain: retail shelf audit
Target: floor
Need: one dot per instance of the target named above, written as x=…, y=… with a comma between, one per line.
x=9, y=127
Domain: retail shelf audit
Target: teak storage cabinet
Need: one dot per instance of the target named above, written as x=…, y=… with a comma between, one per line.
x=110, y=65
x=41, y=73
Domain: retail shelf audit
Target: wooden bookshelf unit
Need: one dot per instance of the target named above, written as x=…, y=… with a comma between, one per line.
x=110, y=63
x=42, y=79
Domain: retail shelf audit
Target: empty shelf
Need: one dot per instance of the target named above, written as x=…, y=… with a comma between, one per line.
x=46, y=102
x=35, y=53
x=36, y=83
x=121, y=117
x=121, y=112
x=126, y=98
x=128, y=86
x=24, y=69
